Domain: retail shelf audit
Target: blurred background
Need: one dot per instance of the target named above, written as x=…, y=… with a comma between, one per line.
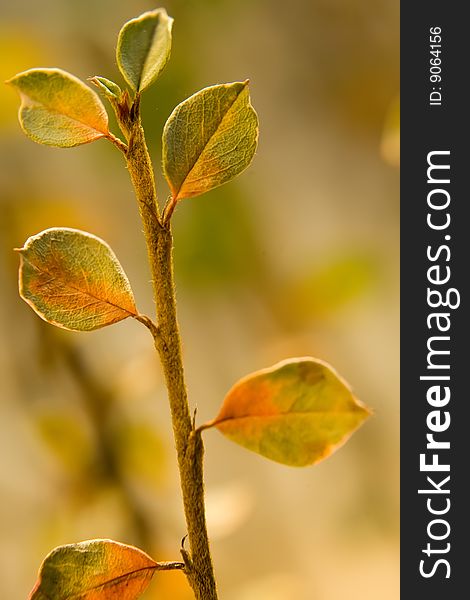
x=298, y=256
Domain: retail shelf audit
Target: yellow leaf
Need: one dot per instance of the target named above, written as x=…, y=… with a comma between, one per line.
x=209, y=139
x=297, y=412
x=94, y=570
x=57, y=109
x=72, y=279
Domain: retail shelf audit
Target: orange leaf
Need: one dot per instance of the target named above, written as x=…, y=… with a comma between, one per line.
x=72, y=279
x=94, y=570
x=296, y=412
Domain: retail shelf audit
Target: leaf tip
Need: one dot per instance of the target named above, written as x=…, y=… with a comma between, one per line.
x=12, y=80
x=106, y=86
x=368, y=412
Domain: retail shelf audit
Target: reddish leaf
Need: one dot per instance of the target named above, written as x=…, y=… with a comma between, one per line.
x=94, y=570
x=296, y=412
x=72, y=279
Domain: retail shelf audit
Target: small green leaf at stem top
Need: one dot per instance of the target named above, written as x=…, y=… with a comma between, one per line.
x=73, y=280
x=209, y=139
x=296, y=412
x=110, y=89
x=57, y=109
x=143, y=48
x=94, y=570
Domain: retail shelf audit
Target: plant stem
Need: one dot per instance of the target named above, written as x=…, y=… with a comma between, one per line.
x=189, y=447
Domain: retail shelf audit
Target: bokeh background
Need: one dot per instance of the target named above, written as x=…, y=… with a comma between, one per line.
x=298, y=256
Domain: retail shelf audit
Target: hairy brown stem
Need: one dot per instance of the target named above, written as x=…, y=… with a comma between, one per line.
x=189, y=447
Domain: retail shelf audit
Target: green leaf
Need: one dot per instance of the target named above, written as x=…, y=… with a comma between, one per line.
x=209, y=139
x=297, y=412
x=94, y=570
x=110, y=89
x=143, y=48
x=72, y=279
x=57, y=109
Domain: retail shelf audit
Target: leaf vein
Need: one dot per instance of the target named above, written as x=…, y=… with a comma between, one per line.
x=76, y=290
